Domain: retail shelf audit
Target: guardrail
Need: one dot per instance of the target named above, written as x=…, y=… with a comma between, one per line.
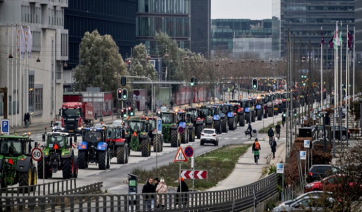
x=227, y=200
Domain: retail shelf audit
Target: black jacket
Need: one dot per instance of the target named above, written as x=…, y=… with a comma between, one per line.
x=249, y=128
x=277, y=128
x=182, y=198
x=274, y=146
x=148, y=188
x=254, y=146
x=270, y=132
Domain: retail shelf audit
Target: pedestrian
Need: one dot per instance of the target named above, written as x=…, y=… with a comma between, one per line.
x=148, y=199
x=270, y=134
x=277, y=129
x=161, y=189
x=255, y=149
x=171, y=103
x=156, y=181
x=274, y=147
x=249, y=130
x=182, y=199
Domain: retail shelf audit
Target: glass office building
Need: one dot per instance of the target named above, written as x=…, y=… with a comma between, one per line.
x=168, y=16
x=304, y=19
x=223, y=31
x=358, y=23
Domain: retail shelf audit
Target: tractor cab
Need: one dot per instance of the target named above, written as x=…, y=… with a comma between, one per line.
x=14, y=146
x=93, y=135
x=168, y=117
x=57, y=141
x=205, y=111
x=192, y=114
x=182, y=116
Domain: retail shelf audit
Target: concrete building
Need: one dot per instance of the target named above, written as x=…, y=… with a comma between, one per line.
x=35, y=82
x=358, y=23
x=260, y=47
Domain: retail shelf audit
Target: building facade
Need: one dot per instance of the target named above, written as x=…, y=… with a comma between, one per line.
x=114, y=17
x=225, y=31
x=260, y=47
x=34, y=80
x=303, y=19
x=201, y=27
x=358, y=23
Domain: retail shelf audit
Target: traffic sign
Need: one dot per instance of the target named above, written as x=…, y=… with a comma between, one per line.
x=159, y=125
x=197, y=174
x=189, y=151
x=280, y=168
x=5, y=126
x=302, y=155
x=180, y=156
x=306, y=144
x=36, y=154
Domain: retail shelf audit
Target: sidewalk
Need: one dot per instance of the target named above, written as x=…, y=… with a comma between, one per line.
x=246, y=171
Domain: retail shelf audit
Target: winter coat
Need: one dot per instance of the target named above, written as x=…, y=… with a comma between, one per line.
x=182, y=198
x=148, y=188
x=274, y=146
x=249, y=128
x=161, y=189
x=277, y=128
x=270, y=132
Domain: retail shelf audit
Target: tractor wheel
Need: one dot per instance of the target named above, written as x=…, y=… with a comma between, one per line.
x=67, y=168
x=247, y=117
x=198, y=131
x=217, y=127
x=173, y=139
x=75, y=167
x=108, y=165
x=253, y=116
x=183, y=137
x=121, y=154
x=82, y=163
x=127, y=152
x=101, y=160
x=146, y=149
x=242, y=120
x=223, y=125
x=157, y=143
x=25, y=179
x=192, y=135
x=34, y=179
x=231, y=124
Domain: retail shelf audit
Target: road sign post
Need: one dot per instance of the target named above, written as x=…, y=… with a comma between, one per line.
x=5, y=126
x=180, y=157
x=159, y=125
x=194, y=174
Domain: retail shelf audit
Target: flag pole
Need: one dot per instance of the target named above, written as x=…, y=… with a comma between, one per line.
x=340, y=71
x=322, y=70
x=7, y=68
x=354, y=57
x=16, y=75
x=346, y=92
x=12, y=77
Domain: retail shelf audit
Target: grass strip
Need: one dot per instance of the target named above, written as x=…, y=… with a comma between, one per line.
x=219, y=164
x=265, y=129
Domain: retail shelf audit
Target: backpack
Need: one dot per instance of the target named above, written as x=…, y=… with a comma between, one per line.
x=256, y=145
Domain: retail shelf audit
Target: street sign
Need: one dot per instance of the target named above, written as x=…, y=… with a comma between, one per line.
x=280, y=168
x=5, y=126
x=197, y=174
x=189, y=151
x=180, y=156
x=307, y=144
x=36, y=154
x=303, y=155
x=159, y=126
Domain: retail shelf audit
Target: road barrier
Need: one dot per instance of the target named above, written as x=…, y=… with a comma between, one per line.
x=235, y=199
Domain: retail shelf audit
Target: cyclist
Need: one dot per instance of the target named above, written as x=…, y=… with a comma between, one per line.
x=255, y=149
x=249, y=131
x=277, y=129
x=270, y=134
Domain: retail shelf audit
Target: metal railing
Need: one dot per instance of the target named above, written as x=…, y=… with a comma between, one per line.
x=226, y=200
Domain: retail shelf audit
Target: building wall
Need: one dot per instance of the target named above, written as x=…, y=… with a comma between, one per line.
x=200, y=26
x=114, y=17
x=358, y=23
x=261, y=47
x=39, y=84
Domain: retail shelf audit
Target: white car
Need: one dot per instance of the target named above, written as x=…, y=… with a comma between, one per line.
x=208, y=135
x=117, y=123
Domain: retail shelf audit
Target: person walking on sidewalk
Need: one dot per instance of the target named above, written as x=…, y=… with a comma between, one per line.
x=161, y=189
x=255, y=149
x=270, y=134
x=277, y=129
x=149, y=188
x=250, y=130
x=274, y=147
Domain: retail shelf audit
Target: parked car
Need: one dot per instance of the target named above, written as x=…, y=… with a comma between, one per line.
x=319, y=171
x=117, y=123
x=208, y=135
x=344, y=132
x=311, y=201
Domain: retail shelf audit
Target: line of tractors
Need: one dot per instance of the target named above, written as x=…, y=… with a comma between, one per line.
x=100, y=145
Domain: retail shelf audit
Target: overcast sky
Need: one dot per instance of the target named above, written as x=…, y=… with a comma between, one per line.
x=241, y=9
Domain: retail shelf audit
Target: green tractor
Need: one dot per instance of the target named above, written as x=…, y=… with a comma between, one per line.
x=58, y=155
x=185, y=127
x=137, y=136
x=206, y=115
x=195, y=118
x=169, y=128
x=16, y=163
x=156, y=139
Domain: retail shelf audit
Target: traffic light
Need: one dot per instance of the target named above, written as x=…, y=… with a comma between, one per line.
x=130, y=111
x=304, y=76
x=125, y=94
x=295, y=112
x=124, y=114
x=284, y=114
x=123, y=81
x=119, y=94
x=303, y=83
x=195, y=81
x=255, y=84
x=192, y=83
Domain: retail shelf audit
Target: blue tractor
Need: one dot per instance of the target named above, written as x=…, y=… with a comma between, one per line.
x=93, y=149
x=223, y=117
x=231, y=116
x=215, y=112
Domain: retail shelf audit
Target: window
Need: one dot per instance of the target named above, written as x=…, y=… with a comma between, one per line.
x=39, y=99
x=31, y=91
x=36, y=40
x=64, y=44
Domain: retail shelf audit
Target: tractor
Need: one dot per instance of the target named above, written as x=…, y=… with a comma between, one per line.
x=156, y=139
x=169, y=128
x=206, y=115
x=239, y=110
x=117, y=145
x=216, y=118
x=58, y=155
x=223, y=117
x=231, y=116
x=16, y=163
x=93, y=148
x=185, y=129
x=249, y=110
x=137, y=136
x=196, y=120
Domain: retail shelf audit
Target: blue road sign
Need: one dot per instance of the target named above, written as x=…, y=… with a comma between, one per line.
x=159, y=126
x=5, y=126
x=189, y=151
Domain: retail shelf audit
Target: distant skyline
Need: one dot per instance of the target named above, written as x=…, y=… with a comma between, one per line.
x=241, y=9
